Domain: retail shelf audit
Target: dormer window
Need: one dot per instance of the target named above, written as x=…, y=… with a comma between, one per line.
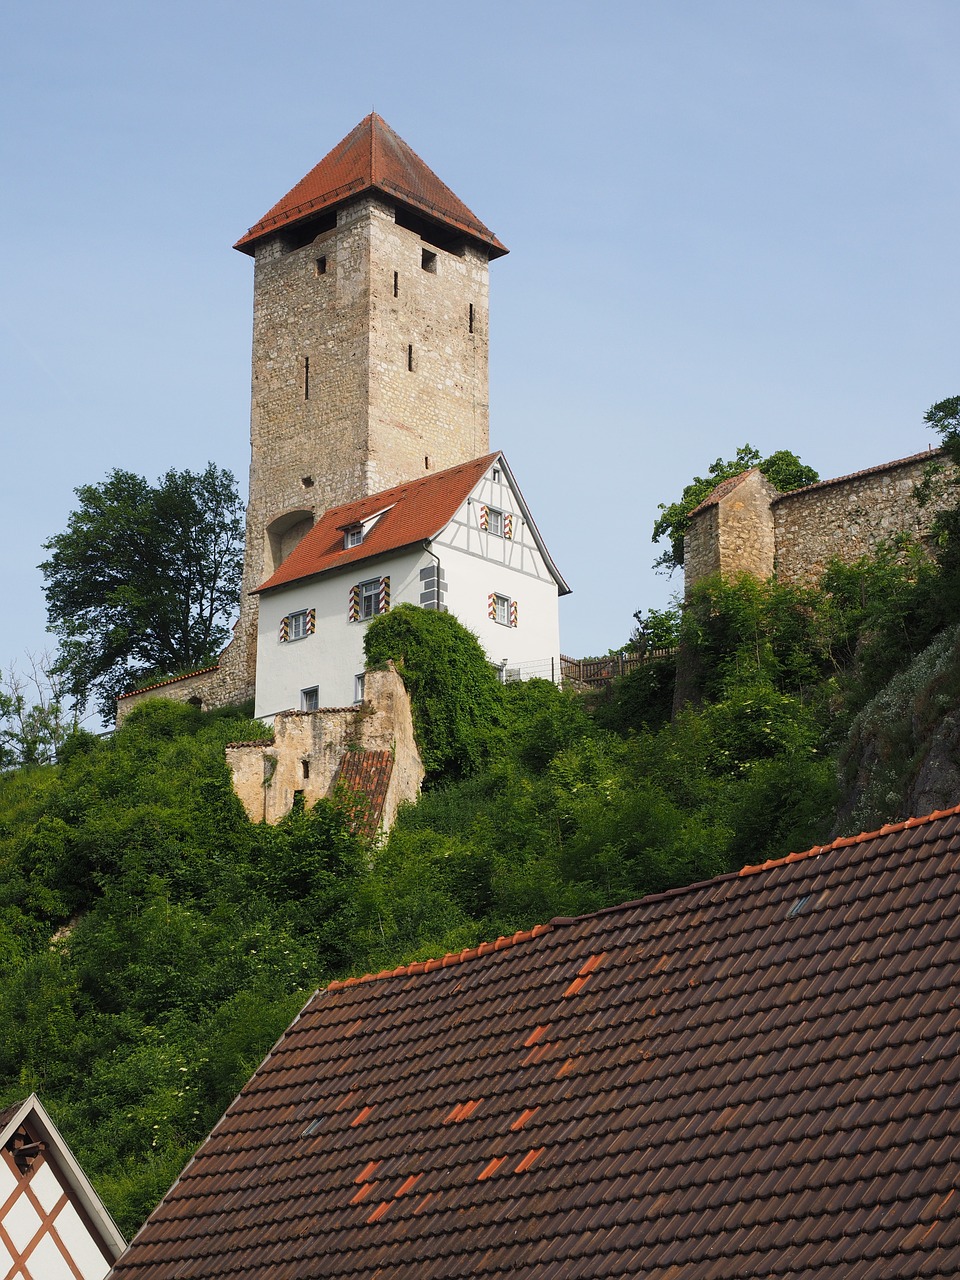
x=353, y=536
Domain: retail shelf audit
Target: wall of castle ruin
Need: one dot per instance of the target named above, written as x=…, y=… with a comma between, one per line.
x=751, y=528
x=308, y=747
x=848, y=518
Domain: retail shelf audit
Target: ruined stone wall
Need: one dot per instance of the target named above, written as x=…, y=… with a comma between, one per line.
x=733, y=533
x=308, y=747
x=701, y=546
x=848, y=518
x=748, y=527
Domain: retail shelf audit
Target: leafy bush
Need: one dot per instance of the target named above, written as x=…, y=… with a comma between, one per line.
x=455, y=693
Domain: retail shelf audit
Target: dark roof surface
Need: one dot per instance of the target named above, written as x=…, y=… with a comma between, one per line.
x=758, y=1076
x=372, y=157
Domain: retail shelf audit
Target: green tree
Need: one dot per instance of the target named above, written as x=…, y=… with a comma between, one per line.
x=783, y=469
x=144, y=579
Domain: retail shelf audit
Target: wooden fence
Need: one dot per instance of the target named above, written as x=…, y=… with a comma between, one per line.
x=597, y=671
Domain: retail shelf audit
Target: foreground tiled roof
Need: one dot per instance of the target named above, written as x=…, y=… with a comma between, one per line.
x=372, y=157
x=758, y=1076
x=413, y=512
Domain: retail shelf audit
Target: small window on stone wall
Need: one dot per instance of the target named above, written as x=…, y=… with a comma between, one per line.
x=321, y=266
x=396, y=284
x=410, y=357
x=428, y=260
x=471, y=317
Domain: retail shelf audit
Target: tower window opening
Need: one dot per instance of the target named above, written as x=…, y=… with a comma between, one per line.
x=396, y=284
x=471, y=317
x=307, y=482
x=410, y=358
x=428, y=260
x=306, y=377
x=426, y=462
x=321, y=266
x=306, y=768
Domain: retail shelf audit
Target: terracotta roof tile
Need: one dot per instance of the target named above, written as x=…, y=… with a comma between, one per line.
x=365, y=777
x=412, y=513
x=928, y=455
x=761, y=1089
x=161, y=684
x=372, y=158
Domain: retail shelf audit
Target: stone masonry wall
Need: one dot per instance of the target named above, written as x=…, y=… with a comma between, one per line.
x=267, y=775
x=848, y=517
x=751, y=528
x=732, y=531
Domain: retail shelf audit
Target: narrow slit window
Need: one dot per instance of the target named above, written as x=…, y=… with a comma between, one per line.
x=410, y=357
x=396, y=284
x=306, y=377
x=471, y=317
x=306, y=768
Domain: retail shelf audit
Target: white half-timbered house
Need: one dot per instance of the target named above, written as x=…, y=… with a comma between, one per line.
x=460, y=540
x=53, y=1225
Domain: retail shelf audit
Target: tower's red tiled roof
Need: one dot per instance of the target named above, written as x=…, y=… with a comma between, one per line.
x=372, y=157
x=412, y=512
x=754, y=1076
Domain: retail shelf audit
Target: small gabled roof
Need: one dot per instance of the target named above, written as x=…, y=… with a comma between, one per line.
x=409, y=513
x=722, y=489
x=372, y=158
x=33, y=1116
x=754, y=1076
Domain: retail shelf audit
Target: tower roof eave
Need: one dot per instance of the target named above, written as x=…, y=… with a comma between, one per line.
x=372, y=158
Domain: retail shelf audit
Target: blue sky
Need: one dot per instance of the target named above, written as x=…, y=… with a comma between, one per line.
x=728, y=221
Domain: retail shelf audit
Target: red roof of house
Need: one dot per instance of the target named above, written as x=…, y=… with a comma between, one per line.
x=754, y=1076
x=372, y=157
x=412, y=512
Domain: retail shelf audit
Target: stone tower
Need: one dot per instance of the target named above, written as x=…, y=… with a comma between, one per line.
x=369, y=349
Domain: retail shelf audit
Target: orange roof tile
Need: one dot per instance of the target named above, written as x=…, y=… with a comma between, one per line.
x=780, y=1098
x=372, y=158
x=412, y=512
x=365, y=776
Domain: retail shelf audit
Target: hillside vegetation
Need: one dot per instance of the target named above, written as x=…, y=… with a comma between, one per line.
x=154, y=943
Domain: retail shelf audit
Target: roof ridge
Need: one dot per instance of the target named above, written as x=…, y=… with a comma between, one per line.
x=528, y=935
x=843, y=842
x=931, y=452
x=160, y=684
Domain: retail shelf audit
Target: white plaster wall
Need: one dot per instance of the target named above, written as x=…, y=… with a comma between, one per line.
x=332, y=657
